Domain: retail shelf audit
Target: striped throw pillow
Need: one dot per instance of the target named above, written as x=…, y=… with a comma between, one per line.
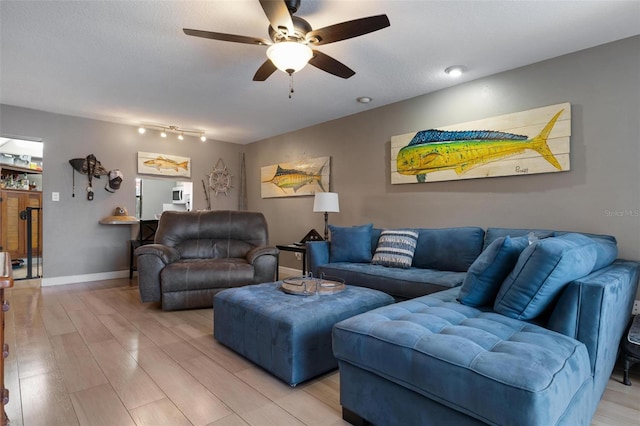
x=395, y=248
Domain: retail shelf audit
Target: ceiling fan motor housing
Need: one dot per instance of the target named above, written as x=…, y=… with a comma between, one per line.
x=300, y=26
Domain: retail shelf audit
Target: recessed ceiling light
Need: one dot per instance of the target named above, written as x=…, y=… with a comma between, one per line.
x=141, y=130
x=455, y=70
x=364, y=99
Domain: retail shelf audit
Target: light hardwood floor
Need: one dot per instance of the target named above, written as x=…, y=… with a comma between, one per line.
x=92, y=354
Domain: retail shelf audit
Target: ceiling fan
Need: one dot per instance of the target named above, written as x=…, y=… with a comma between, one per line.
x=291, y=37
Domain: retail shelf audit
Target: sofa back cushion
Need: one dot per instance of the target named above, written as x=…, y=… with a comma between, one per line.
x=542, y=271
x=212, y=234
x=448, y=249
x=493, y=233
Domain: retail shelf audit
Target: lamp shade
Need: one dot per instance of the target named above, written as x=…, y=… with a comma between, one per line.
x=289, y=56
x=326, y=202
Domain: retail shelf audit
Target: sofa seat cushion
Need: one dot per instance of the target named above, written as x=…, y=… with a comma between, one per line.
x=484, y=364
x=197, y=274
x=400, y=283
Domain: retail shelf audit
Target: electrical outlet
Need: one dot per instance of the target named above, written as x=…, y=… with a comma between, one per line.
x=299, y=257
x=636, y=308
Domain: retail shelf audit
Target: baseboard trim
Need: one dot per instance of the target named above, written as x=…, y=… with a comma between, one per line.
x=72, y=279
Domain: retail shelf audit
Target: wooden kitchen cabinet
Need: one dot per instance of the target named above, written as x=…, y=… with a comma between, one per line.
x=13, y=231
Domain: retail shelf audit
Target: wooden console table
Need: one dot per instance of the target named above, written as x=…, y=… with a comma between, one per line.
x=6, y=281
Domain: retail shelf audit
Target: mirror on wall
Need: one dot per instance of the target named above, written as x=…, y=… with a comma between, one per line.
x=154, y=196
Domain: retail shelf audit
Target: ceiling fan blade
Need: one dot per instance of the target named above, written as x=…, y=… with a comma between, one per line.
x=330, y=65
x=265, y=70
x=278, y=16
x=348, y=29
x=226, y=37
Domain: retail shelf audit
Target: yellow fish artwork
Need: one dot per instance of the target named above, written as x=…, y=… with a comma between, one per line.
x=166, y=163
x=435, y=150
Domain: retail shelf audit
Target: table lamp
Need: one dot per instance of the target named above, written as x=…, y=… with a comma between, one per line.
x=326, y=202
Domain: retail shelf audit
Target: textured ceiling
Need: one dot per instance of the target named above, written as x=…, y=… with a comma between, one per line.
x=130, y=62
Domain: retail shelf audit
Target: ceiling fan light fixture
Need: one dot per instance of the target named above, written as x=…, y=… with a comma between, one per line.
x=289, y=56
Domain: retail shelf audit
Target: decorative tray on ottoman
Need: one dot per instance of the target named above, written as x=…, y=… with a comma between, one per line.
x=308, y=286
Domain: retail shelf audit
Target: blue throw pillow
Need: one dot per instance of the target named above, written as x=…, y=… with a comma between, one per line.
x=489, y=270
x=395, y=248
x=606, y=245
x=350, y=244
x=607, y=249
x=541, y=272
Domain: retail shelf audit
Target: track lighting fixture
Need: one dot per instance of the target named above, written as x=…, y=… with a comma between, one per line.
x=164, y=130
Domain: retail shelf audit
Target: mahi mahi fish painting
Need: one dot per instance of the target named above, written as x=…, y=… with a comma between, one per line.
x=528, y=142
x=304, y=177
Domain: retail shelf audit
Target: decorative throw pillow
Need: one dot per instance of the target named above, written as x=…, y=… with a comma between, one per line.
x=489, y=270
x=395, y=248
x=350, y=244
x=541, y=272
x=606, y=245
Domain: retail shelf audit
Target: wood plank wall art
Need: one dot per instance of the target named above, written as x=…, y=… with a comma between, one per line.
x=527, y=142
x=163, y=165
x=296, y=178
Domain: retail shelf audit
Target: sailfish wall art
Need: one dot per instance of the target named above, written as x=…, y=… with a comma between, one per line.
x=528, y=142
x=291, y=179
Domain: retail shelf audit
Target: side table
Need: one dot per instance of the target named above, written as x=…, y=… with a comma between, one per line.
x=296, y=249
x=630, y=346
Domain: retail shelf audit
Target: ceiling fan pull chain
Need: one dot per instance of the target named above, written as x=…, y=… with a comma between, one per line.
x=290, y=85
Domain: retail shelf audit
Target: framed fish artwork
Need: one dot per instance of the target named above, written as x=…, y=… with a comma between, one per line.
x=296, y=178
x=150, y=163
x=527, y=142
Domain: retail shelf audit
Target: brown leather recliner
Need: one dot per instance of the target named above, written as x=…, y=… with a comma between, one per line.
x=197, y=254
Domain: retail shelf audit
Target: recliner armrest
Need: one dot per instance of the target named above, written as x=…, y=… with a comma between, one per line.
x=166, y=254
x=258, y=251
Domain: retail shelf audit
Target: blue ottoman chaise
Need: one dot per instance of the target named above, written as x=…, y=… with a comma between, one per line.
x=288, y=335
x=530, y=338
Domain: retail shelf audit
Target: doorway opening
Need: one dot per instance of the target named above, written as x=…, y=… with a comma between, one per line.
x=21, y=205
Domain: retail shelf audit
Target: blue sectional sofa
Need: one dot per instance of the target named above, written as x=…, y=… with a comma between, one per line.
x=530, y=337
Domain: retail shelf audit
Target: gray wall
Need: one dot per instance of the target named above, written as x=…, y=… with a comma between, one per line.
x=603, y=86
x=74, y=243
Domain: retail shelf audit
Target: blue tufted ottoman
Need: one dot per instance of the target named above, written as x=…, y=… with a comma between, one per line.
x=453, y=360
x=287, y=335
